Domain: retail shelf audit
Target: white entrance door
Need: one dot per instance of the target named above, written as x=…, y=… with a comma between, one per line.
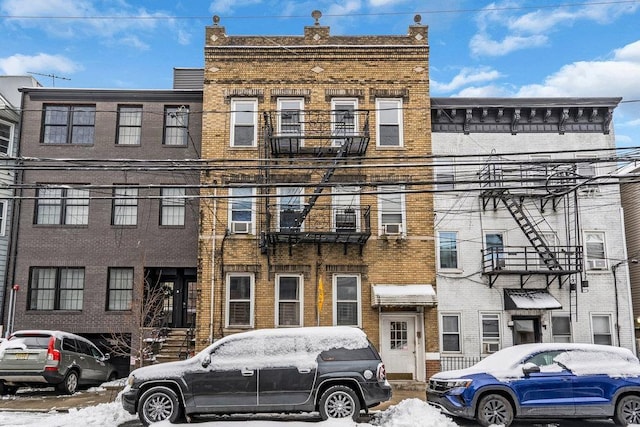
x=398, y=346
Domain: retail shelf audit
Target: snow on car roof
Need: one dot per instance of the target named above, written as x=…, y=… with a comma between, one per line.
x=588, y=359
x=264, y=348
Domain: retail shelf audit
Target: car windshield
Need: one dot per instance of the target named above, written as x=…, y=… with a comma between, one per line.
x=29, y=341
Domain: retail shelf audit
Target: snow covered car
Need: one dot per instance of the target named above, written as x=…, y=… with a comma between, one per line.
x=333, y=370
x=543, y=381
x=42, y=358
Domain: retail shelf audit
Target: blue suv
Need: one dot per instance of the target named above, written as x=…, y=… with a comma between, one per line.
x=543, y=381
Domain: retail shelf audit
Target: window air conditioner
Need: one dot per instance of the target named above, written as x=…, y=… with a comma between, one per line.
x=391, y=229
x=490, y=347
x=240, y=227
x=597, y=264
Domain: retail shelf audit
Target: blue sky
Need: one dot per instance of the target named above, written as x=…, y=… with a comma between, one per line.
x=477, y=48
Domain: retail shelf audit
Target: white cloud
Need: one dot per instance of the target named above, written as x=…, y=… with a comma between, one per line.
x=42, y=62
x=384, y=3
x=482, y=45
x=489, y=91
x=229, y=6
x=134, y=42
x=466, y=76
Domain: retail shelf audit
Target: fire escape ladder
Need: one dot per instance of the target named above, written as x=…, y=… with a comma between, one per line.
x=342, y=152
x=530, y=231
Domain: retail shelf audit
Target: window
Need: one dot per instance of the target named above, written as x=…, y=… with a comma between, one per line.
x=6, y=136
x=345, y=120
x=69, y=124
x=494, y=251
x=172, y=206
x=176, y=125
x=490, y=333
x=595, y=251
x=346, y=209
x=291, y=113
x=56, y=288
x=346, y=296
x=125, y=206
x=539, y=170
x=240, y=300
x=561, y=328
x=289, y=300
x=129, y=125
x=62, y=206
x=451, y=332
x=391, y=206
x=445, y=175
x=290, y=205
x=448, y=249
x=389, y=119
x=241, y=210
x=120, y=292
x=601, y=326
x=3, y=217
x=244, y=122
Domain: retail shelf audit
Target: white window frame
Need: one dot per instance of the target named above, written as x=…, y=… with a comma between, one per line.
x=300, y=300
x=300, y=102
x=593, y=263
x=593, y=332
x=3, y=216
x=457, y=251
x=339, y=201
x=335, y=129
x=458, y=316
x=10, y=139
x=554, y=335
x=591, y=169
x=393, y=190
x=358, y=300
x=296, y=192
x=236, y=108
x=382, y=108
x=252, y=225
x=444, y=170
x=552, y=241
x=502, y=256
x=486, y=340
x=251, y=300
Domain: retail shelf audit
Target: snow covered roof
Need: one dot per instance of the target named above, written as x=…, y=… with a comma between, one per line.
x=403, y=295
x=530, y=299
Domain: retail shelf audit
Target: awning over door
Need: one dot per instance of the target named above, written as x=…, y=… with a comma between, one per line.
x=402, y=295
x=530, y=299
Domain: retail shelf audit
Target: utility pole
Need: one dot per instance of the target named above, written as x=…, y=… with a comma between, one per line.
x=53, y=77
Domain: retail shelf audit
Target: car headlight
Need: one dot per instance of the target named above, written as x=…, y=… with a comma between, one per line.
x=130, y=380
x=462, y=382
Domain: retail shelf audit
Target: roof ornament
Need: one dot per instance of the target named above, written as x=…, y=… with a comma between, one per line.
x=316, y=14
x=216, y=20
x=417, y=19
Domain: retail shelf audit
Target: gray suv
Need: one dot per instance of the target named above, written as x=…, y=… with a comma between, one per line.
x=333, y=370
x=41, y=358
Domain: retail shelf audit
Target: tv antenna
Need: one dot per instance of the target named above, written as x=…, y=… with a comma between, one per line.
x=53, y=77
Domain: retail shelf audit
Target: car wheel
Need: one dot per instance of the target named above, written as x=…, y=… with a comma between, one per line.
x=339, y=401
x=627, y=410
x=7, y=389
x=494, y=409
x=159, y=404
x=70, y=383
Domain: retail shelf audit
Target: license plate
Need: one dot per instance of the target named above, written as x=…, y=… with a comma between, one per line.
x=22, y=356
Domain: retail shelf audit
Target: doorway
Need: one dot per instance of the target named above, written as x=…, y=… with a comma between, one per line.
x=398, y=346
x=526, y=330
x=177, y=288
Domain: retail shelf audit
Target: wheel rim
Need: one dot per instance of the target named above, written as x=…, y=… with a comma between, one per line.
x=158, y=407
x=495, y=412
x=631, y=411
x=339, y=405
x=72, y=382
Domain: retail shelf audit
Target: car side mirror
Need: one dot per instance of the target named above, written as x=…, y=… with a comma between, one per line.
x=106, y=357
x=530, y=368
x=206, y=360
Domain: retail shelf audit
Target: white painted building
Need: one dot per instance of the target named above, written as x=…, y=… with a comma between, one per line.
x=529, y=227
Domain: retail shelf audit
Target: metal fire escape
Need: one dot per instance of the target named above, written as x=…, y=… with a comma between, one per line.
x=330, y=138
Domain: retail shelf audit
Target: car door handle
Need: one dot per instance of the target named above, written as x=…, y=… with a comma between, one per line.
x=304, y=371
x=247, y=373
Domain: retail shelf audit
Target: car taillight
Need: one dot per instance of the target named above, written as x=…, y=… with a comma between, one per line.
x=382, y=373
x=53, y=356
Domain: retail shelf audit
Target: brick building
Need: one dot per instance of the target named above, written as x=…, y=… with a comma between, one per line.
x=315, y=211
x=104, y=211
x=528, y=216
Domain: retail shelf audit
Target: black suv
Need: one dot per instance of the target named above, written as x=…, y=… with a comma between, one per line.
x=333, y=370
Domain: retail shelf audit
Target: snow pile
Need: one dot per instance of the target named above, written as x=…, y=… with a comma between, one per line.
x=411, y=413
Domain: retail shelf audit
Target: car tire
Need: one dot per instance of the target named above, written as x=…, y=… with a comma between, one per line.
x=70, y=383
x=627, y=410
x=339, y=401
x=159, y=404
x=494, y=409
x=8, y=389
